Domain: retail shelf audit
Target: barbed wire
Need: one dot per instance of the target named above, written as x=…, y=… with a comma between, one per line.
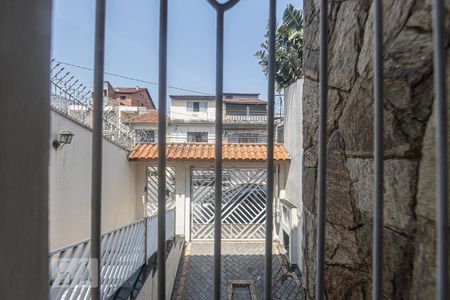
x=70, y=97
x=73, y=98
x=133, y=78
x=138, y=79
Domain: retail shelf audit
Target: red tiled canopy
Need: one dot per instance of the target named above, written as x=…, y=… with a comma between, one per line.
x=204, y=151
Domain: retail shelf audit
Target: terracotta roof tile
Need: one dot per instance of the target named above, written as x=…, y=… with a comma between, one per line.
x=149, y=117
x=128, y=90
x=203, y=151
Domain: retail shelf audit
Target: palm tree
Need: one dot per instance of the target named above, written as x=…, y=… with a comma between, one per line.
x=288, y=48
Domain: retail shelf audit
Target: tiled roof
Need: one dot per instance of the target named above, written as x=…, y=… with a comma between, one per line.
x=192, y=97
x=150, y=117
x=225, y=100
x=203, y=151
x=126, y=90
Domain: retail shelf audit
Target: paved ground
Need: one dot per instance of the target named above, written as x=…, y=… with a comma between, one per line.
x=241, y=262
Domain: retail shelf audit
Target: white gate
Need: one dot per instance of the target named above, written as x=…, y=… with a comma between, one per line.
x=152, y=189
x=243, y=204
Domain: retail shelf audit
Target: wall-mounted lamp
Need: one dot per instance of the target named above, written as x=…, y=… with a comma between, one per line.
x=65, y=137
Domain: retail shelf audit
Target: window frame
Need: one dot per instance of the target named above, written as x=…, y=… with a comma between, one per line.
x=197, y=136
x=142, y=134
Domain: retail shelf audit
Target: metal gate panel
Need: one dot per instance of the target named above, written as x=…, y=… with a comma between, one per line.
x=243, y=204
x=152, y=190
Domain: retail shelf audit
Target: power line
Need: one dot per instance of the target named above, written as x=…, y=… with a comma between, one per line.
x=132, y=78
x=139, y=80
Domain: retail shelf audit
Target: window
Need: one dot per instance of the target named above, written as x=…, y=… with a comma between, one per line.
x=145, y=136
x=246, y=137
x=123, y=97
x=196, y=106
x=197, y=137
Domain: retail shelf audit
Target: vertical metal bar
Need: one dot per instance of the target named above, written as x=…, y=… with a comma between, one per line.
x=220, y=9
x=218, y=156
x=377, y=243
x=146, y=239
x=97, y=140
x=323, y=94
x=441, y=151
x=162, y=94
x=270, y=166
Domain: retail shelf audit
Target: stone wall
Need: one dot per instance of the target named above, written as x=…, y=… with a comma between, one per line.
x=409, y=213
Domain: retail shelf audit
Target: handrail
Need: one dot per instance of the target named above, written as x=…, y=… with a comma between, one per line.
x=125, y=250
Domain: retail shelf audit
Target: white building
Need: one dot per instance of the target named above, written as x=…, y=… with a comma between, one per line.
x=192, y=118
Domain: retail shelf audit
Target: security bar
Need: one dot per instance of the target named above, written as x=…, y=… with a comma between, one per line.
x=440, y=107
x=323, y=94
x=270, y=166
x=220, y=10
x=162, y=99
x=97, y=140
x=377, y=231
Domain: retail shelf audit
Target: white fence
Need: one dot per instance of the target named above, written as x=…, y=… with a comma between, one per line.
x=152, y=229
x=123, y=252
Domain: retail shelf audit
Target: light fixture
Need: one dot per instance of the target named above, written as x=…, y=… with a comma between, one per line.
x=65, y=137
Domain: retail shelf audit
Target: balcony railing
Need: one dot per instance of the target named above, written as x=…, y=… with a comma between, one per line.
x=261, y=118
x=124, y=251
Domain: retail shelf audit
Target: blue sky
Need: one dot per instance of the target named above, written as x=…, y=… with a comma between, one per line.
x=132, y=42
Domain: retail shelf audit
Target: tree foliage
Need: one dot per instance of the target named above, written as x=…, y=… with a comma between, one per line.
x=288, y=48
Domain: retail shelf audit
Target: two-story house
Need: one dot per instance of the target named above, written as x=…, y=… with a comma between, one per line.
x=120, y=104
x=128, y=101
x=193, y=118
x=245, y=118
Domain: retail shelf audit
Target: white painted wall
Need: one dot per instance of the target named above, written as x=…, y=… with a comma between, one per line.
x=70, y=185
x=150, y=288
x=178, y=132
x=293, y=141
x=25, y=36
x=178, y=111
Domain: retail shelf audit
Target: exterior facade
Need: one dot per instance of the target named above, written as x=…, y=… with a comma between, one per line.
x=120, y=104
x=145, y=126
x=245, y=118
x=193, y=118
x=129, y=96
x=128, y=102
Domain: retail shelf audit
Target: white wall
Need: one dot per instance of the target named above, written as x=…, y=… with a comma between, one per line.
x=293, y=141
x=178, y=132
x=150, y=288
x=24, y=131
x=178, y=111
x=70, y=185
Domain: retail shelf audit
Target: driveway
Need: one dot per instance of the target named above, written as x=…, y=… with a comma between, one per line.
x=242, y=273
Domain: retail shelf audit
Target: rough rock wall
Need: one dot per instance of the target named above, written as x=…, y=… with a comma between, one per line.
x=409, y=214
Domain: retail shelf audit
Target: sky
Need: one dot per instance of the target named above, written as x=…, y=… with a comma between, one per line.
x=132, y=43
